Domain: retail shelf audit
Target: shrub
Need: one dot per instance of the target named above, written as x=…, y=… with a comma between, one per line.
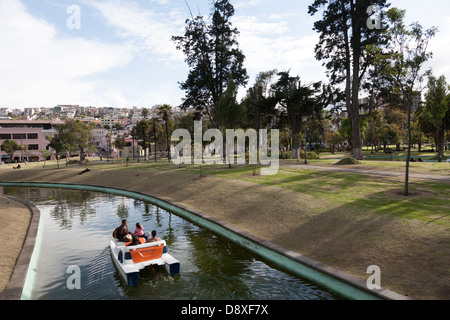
x=310, y=155
x=285, y=155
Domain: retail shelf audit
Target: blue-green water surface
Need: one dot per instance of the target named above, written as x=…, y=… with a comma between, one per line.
x=77, y=229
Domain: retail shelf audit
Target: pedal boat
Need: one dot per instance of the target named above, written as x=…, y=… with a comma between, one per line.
x=129, y=260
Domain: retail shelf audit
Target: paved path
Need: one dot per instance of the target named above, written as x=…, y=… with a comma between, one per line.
x=432, y=177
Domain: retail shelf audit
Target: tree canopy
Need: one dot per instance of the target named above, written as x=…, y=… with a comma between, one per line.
x=10, y=147
x=74, y=136
x=399, y=61
x=213, y=55
x=297, y=101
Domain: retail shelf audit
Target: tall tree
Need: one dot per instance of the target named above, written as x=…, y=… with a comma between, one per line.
x=58, y=145
x=228, y=112
x=77, y=136
x=435, y=109
x=165, y=112
x=399, y=62
x=344, y=36
x=417, y=133
x=133, y=134
x=333, y=138
x=120, y=144
x=260, y=101
x=297, y=101
x=213, y=55
x=447, y=120
x=143, y=133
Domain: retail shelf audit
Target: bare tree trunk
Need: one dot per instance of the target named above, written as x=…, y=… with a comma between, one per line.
x=356, y=136
x=357, y=11
x=82, y=158
x=355, y=119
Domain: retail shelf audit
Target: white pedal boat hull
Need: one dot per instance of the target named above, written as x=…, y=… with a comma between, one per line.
x=130, y=260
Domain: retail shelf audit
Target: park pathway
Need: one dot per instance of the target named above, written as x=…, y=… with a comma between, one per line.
x=371, y=172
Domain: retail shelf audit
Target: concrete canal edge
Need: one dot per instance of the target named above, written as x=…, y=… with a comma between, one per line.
x=348, y=286
x=22, y=278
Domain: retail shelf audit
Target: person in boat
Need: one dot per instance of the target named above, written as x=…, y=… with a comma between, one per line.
x=139, y=232
x=134, y=240
x=123, y=234
x=154, y=238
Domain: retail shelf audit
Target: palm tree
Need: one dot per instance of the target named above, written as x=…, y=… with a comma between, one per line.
x=165, y=112
x=143, y=133
x=120, y=145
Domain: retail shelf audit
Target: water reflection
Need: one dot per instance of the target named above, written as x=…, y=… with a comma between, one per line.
x=68, y=207
x=122, y=210
x=77, y=229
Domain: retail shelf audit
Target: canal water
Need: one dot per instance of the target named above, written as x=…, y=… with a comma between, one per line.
x=78, y=226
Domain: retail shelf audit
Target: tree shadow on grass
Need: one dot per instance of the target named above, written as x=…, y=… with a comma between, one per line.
x=413, y=254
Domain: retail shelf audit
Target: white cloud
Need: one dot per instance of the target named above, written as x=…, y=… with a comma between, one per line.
x=252, y=25
x=149, y=31
x=283, y=16
x=274, y=45
x=247, y=4
x=160, y=2
x=41, y=67
x=439, y=46
x=113, y=97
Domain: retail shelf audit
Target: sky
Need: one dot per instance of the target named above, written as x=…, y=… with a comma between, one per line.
x=119, y=53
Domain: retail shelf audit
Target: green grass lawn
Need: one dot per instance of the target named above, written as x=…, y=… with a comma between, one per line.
x=382, y=164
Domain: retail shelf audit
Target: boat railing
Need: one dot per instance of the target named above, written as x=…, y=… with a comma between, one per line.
x=142, y=246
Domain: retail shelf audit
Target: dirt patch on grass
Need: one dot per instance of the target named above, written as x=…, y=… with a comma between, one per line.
x=347, y=161
x=14, y=221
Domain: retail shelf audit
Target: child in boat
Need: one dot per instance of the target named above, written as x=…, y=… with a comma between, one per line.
x=139, y=232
